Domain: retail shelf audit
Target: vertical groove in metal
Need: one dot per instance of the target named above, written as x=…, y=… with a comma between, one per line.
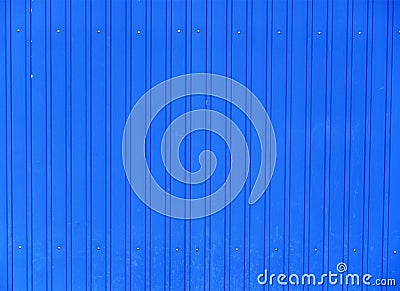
x=129, y=38
x=67, y=245
x=307, y=140
x=106, y=247
x=367, y=158
x=269, y=35
x=328, y=134
x=88, y=141
x=388, y=137
x=6, y=219
x=29, y=191
x=389, y=81
x=167, y=120
x=4, y=150
x=394, y=166
x=248, y=77
x=347, y=129
x=288, y=136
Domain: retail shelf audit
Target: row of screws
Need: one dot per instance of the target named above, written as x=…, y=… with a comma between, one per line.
x=278, y=32
x=197, y=249
x=58, y=248
x=198, y=31
x=59, y=30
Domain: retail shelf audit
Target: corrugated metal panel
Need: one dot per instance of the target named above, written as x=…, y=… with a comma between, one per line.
x=328, y=74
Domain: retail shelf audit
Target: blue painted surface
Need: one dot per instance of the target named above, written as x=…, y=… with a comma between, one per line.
x=328, y=74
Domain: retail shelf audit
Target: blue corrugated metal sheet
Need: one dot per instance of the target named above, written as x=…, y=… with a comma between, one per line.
x=328, y=74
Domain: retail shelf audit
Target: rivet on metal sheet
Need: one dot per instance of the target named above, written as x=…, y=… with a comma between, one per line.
x=276, y=249
x=359, y=33
x=198, y=31
x=179, y=31
x=237, y=249
x=395, y=252
x=20, y=247
x=319, y=32
x=176, y=250
x=99, y=31
x=197, y=250
x=138, y=32
x=279, y=32
x=18, y=30
x=98, y=248
x=238, y=32
x=315, y=250
x=137, y=248
x=31, y=76
x=58, y=31
x=58, y=248
x=354, y=250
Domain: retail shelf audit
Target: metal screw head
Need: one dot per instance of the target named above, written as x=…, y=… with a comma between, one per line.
x=354, y=250
x=276, y=249
x=179, y=31
x=319, y=32
x=238, y=32
x=18, y=30
x=138, y=32
x=58, y=248
x=137, y=248
x=176, y=250
x=58, y=31
x=237, y=249
x=198, y=31
x=279, y=32
x=20, y=247
x=315, y=250
x=359, y=33
x=98, y=248
x=197, y=250
x=395, y=252
x=99, y=31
